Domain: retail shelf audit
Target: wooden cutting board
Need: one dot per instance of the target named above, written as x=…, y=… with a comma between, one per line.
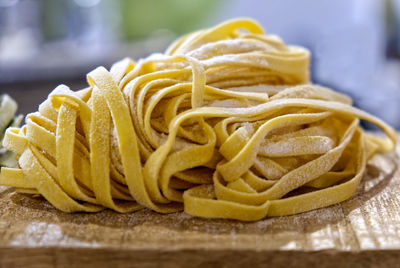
x=361, y=232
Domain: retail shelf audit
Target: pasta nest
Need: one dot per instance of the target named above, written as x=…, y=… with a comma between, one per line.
x=224, y=124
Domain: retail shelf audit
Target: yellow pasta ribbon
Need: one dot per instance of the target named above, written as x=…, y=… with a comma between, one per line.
x=224, y=124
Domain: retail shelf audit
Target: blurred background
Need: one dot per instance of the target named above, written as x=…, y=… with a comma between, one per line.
x=355, y=44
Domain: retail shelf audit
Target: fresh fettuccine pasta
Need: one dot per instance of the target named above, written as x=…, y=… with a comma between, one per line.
x=225, y=124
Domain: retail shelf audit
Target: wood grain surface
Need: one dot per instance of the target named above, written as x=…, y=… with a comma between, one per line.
x=363, y=231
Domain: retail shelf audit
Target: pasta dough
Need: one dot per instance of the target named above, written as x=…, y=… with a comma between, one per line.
x=224, y=124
